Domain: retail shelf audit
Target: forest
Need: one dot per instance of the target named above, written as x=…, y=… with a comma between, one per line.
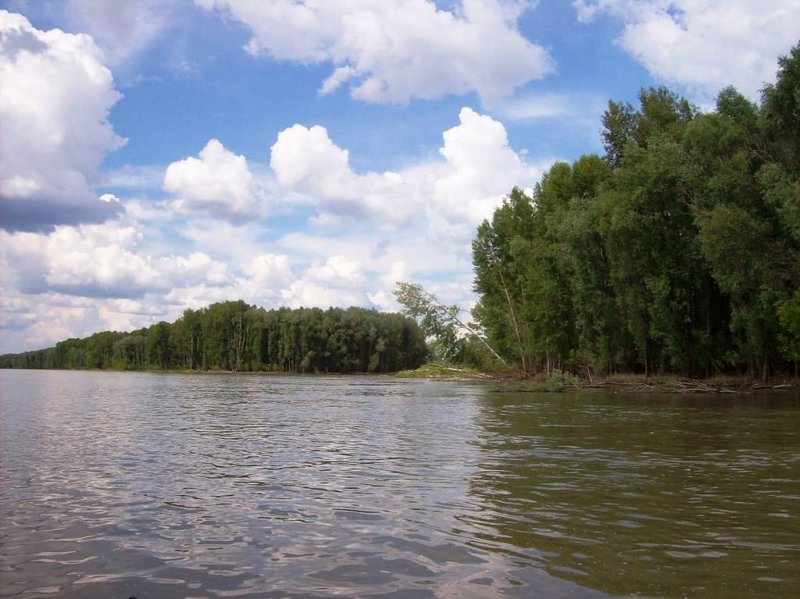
x=677, y=251
x=235, y=336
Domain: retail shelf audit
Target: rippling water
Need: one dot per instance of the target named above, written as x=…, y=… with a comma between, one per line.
x=164, y=485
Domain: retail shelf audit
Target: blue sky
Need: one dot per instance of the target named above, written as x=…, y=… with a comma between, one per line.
x=158, y=155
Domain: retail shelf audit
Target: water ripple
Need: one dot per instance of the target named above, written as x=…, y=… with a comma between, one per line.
x=118, y=484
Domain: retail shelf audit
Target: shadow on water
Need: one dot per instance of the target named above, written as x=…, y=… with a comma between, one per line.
x=662, y=496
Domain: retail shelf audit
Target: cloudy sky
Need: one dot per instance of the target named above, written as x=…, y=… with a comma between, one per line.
x=163, y=154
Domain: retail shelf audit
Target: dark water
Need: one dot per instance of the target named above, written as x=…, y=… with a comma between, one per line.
x=161, y=486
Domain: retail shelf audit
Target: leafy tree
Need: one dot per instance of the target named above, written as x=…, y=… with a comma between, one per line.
x=789, y=317
x=498, y=255
x=158, y=350
x=781, y=111
x=437, y=320
x=678, y=251
x=235, y=336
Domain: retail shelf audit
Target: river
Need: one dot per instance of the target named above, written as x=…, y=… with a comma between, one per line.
x=178, y=485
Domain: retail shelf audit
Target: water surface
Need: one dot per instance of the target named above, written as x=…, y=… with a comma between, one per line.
x=166, y=485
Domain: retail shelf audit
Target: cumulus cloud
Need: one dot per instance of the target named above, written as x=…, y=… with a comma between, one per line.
x=270, y=270
x=704, y=46
x=339, y=281
x=105, y=261
x=481, y=170
x=307, y=162
x=55, y=99
x=338, y=271
x=391, y=52
x=265, y=276
x=452, y=196
x=218, y=183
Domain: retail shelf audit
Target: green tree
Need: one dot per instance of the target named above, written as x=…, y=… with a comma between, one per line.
x=437, y=320
x=781, y=111
x=789, y=317
x=497, y=255
x=157, y=350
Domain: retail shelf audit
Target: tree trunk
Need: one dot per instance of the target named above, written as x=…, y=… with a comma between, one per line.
x=473, y=332
x=515, y=324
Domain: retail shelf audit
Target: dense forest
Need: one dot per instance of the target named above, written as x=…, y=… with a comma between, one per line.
x=677, y=251
x=239, y=337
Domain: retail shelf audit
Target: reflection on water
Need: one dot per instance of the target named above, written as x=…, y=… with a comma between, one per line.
x=118, y=484
x=655, y=496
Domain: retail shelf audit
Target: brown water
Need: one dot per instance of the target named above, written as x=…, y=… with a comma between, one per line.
x=119, y=484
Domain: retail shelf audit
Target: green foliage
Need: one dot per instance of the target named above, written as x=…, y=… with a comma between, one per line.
x=678, y=251
x=235, y=336
x=789, y=317
x=551, y=382
x=781, y=111
x=559, y=380
x=451, y=339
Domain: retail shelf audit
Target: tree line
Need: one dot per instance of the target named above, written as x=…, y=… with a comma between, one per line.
x=676, y=251
x=238, y=337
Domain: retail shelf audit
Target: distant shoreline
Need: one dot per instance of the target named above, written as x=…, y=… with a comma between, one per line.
x=513, y=382
x=620, y=383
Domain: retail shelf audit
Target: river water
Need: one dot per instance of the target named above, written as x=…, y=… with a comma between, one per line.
x=172, y=485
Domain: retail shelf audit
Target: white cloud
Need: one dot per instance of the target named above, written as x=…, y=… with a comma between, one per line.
x=481, y=170
x=270, y=270
x=218, y=183
x=555, y=106
x=307, y=162
x=339, y=281
x=446, y=198
x=136, y=177
x=704, y=46
x=338, y=271
x=55, y=99
x=266, y=276
x=182, y=271
x=101, y=261
x=308, y=294
x=39, y=324
x=55, y=316
x=391, y=52
x=232, y=243
x=383, y=298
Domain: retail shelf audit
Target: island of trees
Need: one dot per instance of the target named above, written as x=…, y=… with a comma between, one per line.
x=235, y=336
x=678, y=251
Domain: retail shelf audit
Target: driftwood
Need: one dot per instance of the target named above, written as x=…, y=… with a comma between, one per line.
x=684, y=386
x=695, y=386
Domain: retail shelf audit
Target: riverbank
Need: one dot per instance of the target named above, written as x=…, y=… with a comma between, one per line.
x=559, y=381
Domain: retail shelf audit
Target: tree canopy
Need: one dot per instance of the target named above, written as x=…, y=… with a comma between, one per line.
x=239, y=337
x=677, y=251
